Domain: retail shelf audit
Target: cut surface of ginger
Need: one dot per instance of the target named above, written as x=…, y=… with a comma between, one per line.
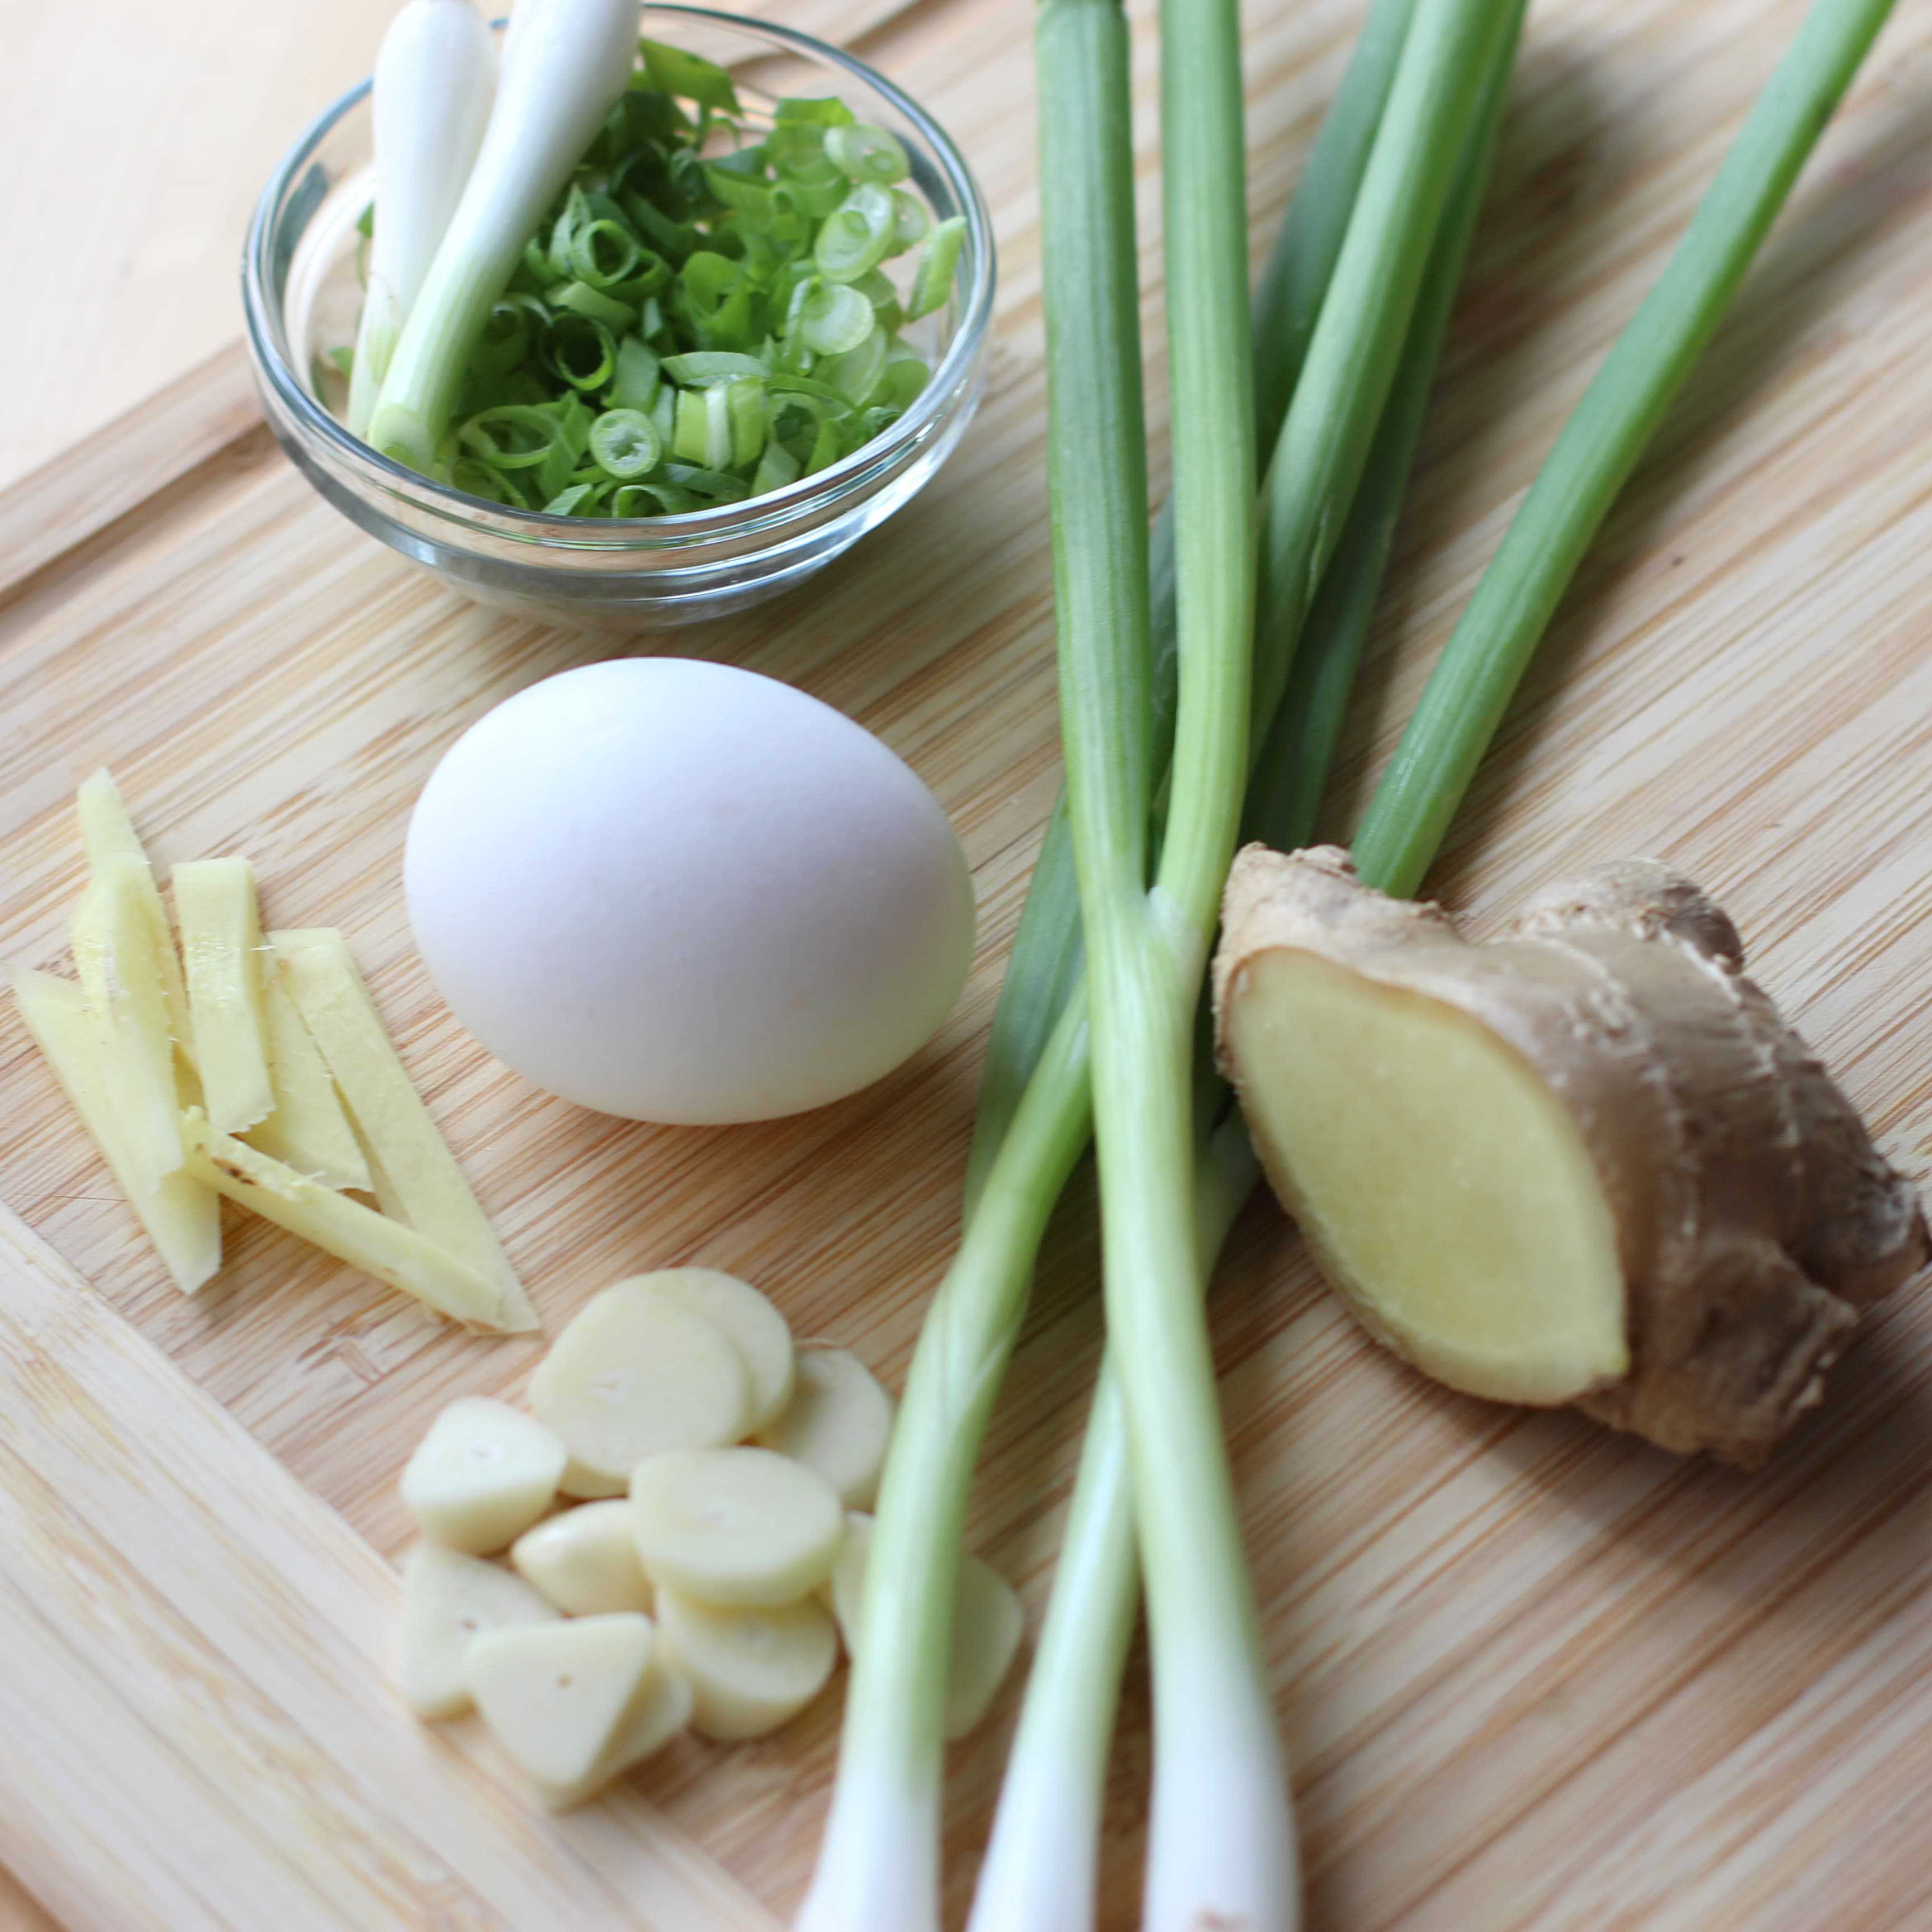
x=741, y=1527
x=1586, y=1160
x=109, y=833
x=422, y=1184
x=635, y=1374
x=585, y=1560
x=1446, y=1189
x=749, y=1670
x=988, y=1623
x=449, y=1599
x=308, y=1128
x=573, y=1703
x=181, y=1216
x=117, y=955
x=482, y=1475
x=756, y=1329
x=221, y=957
x=839, y=1422
x=358, y=1235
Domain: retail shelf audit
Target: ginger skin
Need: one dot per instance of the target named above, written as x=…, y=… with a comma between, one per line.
x=1752, y=1216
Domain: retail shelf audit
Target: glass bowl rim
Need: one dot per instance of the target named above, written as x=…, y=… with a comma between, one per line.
x=772, y=509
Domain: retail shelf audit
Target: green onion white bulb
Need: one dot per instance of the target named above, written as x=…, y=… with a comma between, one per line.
x=436, y=77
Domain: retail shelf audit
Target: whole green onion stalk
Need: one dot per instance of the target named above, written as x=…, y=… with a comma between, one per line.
x=1039, y=1110
x=1221, y=1837
x=1068, y=1714
x=1038, y=1874
x=1221, y=1850
x=879, y=1861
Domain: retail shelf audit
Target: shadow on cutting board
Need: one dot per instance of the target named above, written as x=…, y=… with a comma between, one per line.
x=1851, y=206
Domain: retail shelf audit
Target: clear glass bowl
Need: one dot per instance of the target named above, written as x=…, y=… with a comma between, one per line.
x=299, y=292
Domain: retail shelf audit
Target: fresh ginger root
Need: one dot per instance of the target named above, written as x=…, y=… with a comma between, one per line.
x=1586, y=1161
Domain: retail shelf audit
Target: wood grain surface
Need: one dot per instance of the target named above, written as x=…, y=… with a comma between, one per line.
x=178, y=1607
x=19, y=1913
x=1532, y=1674
x=160, y=124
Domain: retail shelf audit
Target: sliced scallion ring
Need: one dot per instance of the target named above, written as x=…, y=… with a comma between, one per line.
x=570, y=503
x=862, y=152
x=776, y=468
x=905, y=375
x=805, y=111
x=510, y=436
x=817, y=188
x=853, y=376
x=714, y=485
x=639, y=375
x=745, y=405
x=912, y=220
x=825, y=448
x=689, y=76
x=604, y=252
x=625, y=445
x=703, y=435
x=581, y=350
x=749, y=199
x=580, y=298
x=654, y=500
x=857, y=235
x=472, y=475
x=703, y=367
x=836, y=317
x=932, y=281
x=505, y=339
x=810, y=389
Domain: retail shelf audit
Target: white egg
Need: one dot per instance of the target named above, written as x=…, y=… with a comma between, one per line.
x=682, y=892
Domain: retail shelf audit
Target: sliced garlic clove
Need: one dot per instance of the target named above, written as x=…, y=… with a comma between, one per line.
x=662, y=1711
x=757, y=1330
x=560, y=1698
x=839, y=1422
x=482, y=1475
x=586, y=1560
x=449, y=1599
x=738, y=1527
x=633, y=1376
x=750, y=1670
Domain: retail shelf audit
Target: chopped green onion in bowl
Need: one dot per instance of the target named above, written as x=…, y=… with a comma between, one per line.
x=673, y=547
x=707, y=288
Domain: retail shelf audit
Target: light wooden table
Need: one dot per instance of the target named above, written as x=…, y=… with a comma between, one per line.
x=133, y=139
x=1535, y=1677
x=144, y=132
x=18, y=1912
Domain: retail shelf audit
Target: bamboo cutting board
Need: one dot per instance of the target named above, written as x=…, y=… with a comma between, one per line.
x=1532, y=1674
